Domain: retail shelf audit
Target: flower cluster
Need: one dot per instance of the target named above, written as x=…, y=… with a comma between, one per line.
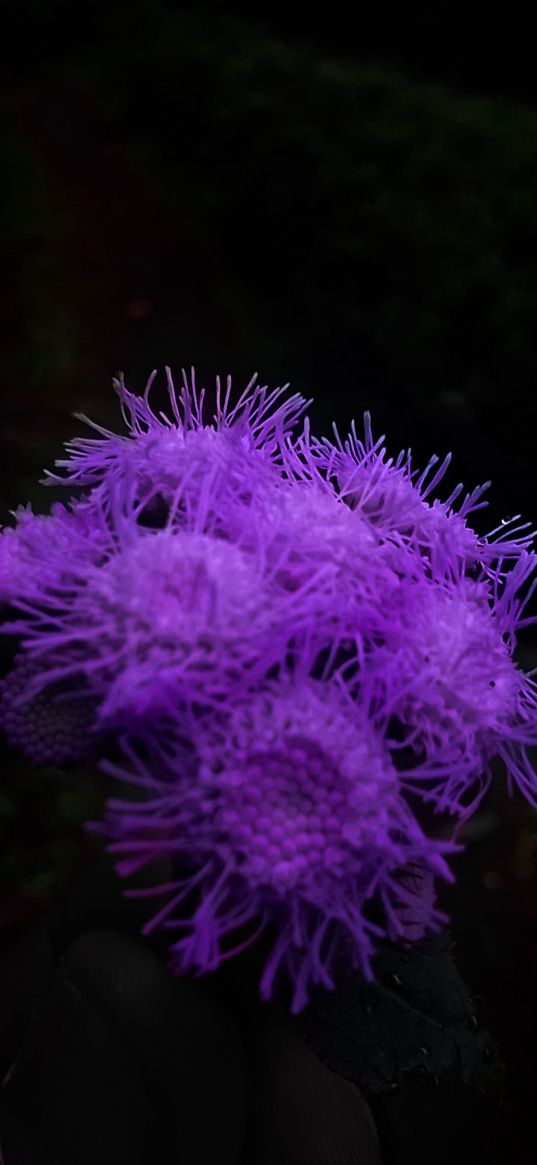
x=292, y=648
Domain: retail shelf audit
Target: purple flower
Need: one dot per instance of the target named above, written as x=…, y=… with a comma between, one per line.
x=446, y=657
x=449, y=675
x=163, y=454
x=293, y=646
x=285, y=811
x=41, y=552
x=165, y=614
x=395, y=500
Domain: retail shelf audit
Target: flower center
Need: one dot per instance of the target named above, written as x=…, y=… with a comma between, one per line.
x=284, y=812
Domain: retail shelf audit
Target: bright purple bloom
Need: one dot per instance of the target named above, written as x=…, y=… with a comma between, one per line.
x=396, y=500
x=170, y=614
x=43, y=550
x=162, y=454
x=446, y=660
x=287, y=810
x=458, y=684
x=291, y=644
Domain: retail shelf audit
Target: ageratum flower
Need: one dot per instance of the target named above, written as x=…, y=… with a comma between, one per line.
x=140, y=617
x=43, y=560
x=292, y=645
x=446, y=661
x=285, y=812
x=43, y=550
x=239, y=451
x=395, y=500
x=160, y=616
x=457, y=683
x=179, y=612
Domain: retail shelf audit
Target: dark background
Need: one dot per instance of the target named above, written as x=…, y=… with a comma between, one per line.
x=348, y=204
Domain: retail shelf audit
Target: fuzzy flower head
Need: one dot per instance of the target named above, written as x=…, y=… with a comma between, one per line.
x=157, y=617
x=162, y=454
x=397, y=501
x=42, y=550
x=286, y=811
x=454, y=682
x=292, y=645
x=188, y=610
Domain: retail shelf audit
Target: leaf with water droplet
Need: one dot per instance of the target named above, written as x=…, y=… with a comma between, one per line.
x=416, y=1017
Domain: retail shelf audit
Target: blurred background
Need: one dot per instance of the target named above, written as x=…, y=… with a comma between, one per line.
x=349, y=205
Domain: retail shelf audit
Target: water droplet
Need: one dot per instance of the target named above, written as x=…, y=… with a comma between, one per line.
x=473, y=1023
x=425, y=1050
